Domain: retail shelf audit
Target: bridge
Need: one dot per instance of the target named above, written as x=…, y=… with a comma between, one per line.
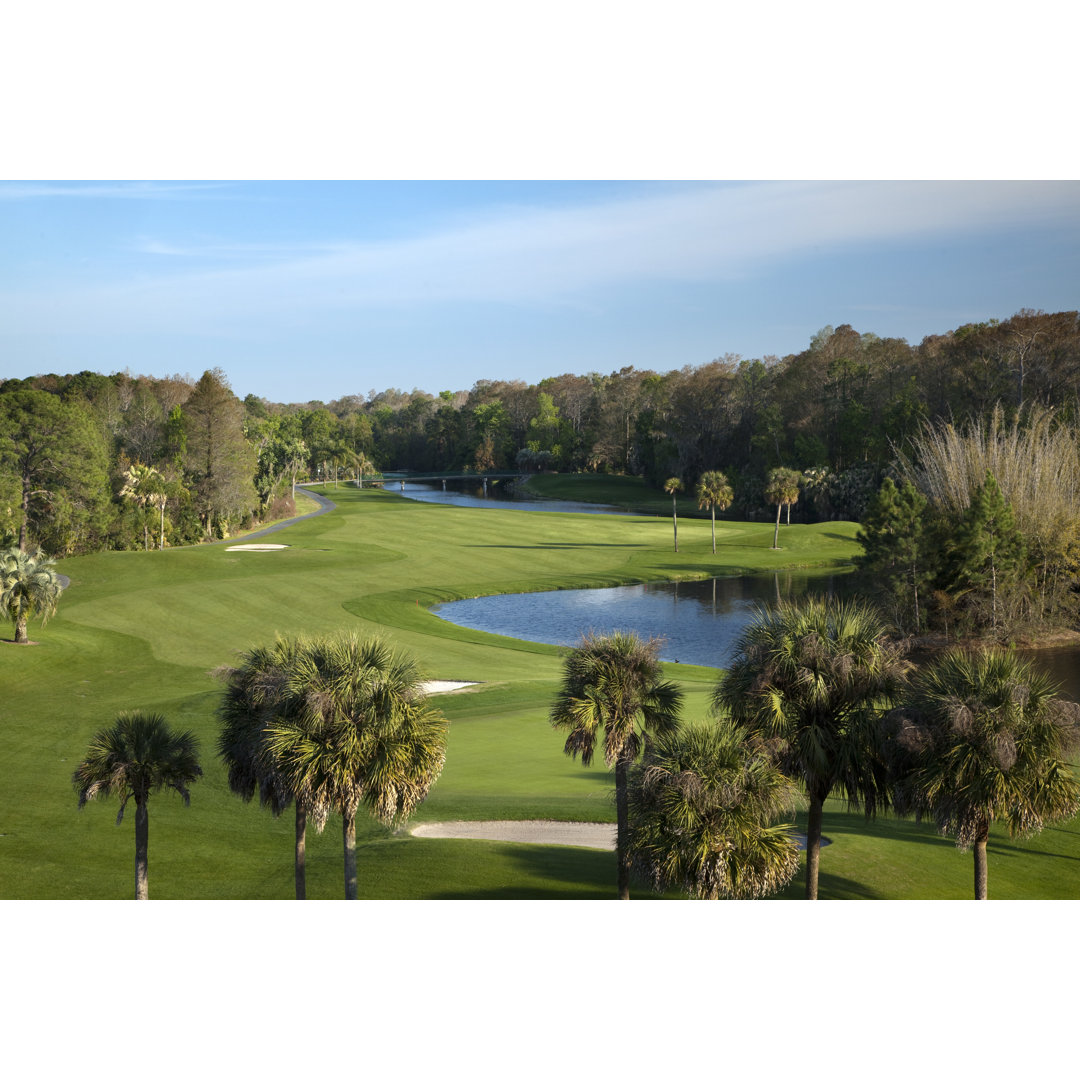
x=430, y=478
x=427, y=478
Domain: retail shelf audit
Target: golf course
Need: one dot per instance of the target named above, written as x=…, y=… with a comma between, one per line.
x=146, y=630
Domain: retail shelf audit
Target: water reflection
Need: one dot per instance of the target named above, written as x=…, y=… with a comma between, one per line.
x=699, y=620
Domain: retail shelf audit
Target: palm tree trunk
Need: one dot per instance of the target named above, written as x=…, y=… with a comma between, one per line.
x=142, y=842
x=161, y=535
x=776, y=531
x=299, y=872
x=622, y=828
x=712, y=511
x=813, y=846
x=675, y=522
x=348, y=832
x=20, y=630
x=980, y=861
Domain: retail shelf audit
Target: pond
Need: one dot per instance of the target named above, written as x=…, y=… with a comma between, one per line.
x=699, y=620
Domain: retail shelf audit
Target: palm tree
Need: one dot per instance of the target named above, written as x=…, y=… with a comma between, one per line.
x=138, y=755
x=714, y=491
x=673, y=485
x=612, y=681
x=980, y=737
x=808, y=683
x=356, y=729
x=254, y=696
x=702, y=807
x=364, y=464
x=29, y=586
x=781, y=489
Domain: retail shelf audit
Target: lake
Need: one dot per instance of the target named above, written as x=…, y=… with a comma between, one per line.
x=699, y=620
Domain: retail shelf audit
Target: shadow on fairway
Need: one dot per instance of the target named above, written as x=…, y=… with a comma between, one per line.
x=550, y=873
x=830, y=887
x=554, y=546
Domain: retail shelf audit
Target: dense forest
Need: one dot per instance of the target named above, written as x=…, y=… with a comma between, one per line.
x=91, y=461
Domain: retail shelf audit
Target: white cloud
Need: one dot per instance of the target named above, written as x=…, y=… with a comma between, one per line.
x=134, y=190
x=532, y=256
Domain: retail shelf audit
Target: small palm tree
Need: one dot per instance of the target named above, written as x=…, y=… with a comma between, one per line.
x=141, y=484
x=613, y=682
x=138, y=755
x=254, y=696
x=982, y=737
x=29, y=586
x=714, y=491
x=808, y=682
x=781, y=489
x=703, y=804
x=356, y=729
x=673, y=485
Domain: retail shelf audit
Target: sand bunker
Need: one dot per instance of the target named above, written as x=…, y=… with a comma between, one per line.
x=444, y=686
x=588, y=834
x=566, y=833
x=257, y=547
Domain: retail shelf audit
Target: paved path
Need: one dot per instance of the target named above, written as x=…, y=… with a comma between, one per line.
x=325, y=506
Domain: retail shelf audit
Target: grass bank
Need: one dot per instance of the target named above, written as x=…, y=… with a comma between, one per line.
x=145, y=629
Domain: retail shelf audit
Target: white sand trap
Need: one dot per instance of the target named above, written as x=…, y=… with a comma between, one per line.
x=444, y=686
x=588, y=834
x=567, y=833
x=257, y=547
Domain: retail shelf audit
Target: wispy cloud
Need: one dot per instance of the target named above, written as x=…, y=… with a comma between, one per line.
x=542, y=256
x=134, y=190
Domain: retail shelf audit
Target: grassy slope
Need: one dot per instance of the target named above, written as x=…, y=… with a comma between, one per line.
x=145, y=629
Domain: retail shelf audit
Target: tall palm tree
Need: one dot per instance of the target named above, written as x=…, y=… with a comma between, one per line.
x=781, y=489
x=808, y=682
x=613, y=682
x=364, y=464
x=714, y=491
x=673, y=485
x=703, y=804
x=254, y=696
x=981, y=737
x=356, y=730
x=29, y=586
x=138, y=755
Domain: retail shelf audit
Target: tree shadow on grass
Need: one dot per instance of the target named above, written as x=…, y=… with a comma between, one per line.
x=830, y=887
x=554, y=545
x=550, y=872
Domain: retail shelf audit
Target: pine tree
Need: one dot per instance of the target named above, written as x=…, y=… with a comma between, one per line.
x=894, y=549
x=989, y=559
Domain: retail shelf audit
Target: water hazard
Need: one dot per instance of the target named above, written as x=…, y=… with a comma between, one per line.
x=699, y=620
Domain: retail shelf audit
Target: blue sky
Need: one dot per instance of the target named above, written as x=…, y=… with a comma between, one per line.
x=302, y=290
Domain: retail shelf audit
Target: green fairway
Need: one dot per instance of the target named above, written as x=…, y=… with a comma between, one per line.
x=144, y=630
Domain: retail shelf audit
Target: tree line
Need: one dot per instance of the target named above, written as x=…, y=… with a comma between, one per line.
x=90, y=461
